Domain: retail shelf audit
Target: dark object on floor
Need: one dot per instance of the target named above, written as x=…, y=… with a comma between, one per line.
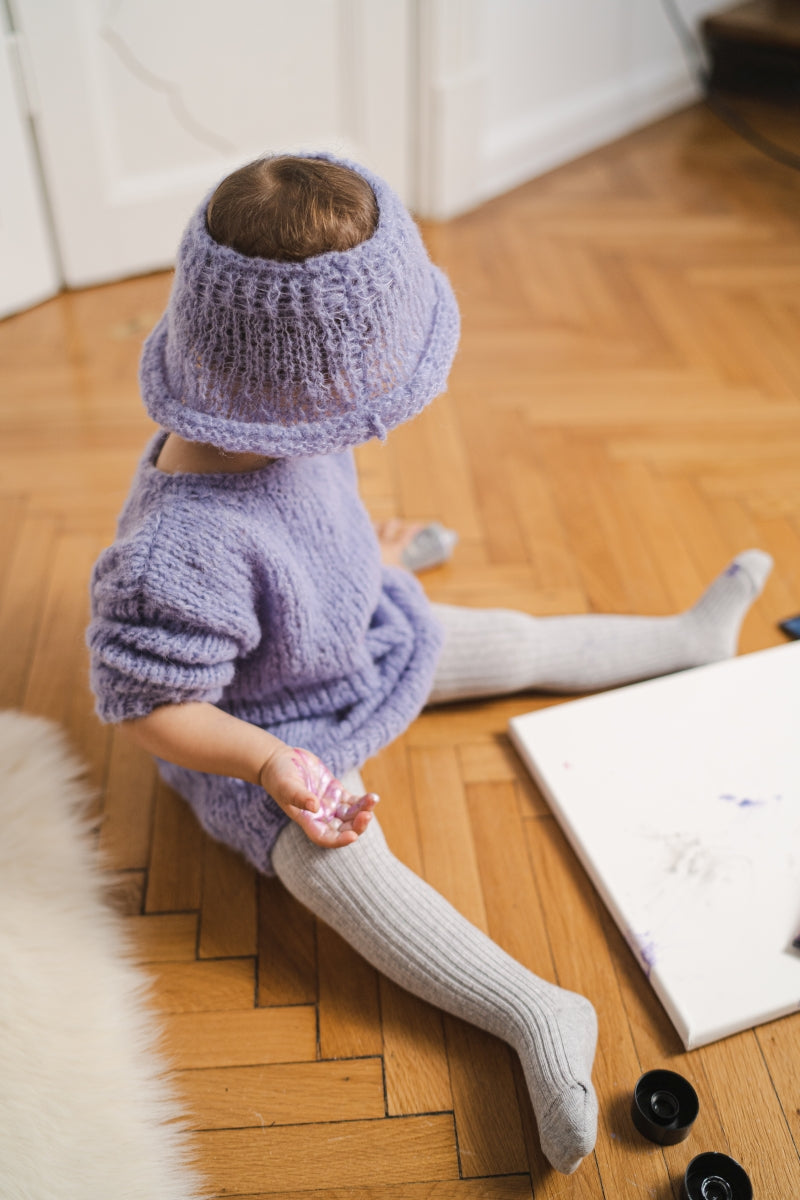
x=754, y=48
x=716, y=1177
x=665, y=1107
x=791, y=626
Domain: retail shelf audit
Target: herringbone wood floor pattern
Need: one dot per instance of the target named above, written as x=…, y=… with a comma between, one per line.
x=624, y=415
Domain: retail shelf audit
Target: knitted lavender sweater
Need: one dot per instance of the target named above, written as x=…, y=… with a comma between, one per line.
x=264, y=594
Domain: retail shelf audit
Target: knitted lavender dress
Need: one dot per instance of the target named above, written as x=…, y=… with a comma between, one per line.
x=264, y=594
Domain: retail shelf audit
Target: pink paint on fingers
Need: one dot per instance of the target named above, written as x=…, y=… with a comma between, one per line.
x=337, y=806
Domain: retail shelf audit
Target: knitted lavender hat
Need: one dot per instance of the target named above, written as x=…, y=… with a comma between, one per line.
x=293, y=359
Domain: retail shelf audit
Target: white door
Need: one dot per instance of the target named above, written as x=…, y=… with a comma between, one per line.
x=144, y=104
x=28, y=270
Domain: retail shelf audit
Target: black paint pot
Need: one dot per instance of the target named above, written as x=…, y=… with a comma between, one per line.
x=665, y=1107
x=716, y=1177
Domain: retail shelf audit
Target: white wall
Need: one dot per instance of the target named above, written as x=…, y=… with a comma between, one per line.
x=142, y=105
x=512, y=88
x=28, y=267
x=138, y=105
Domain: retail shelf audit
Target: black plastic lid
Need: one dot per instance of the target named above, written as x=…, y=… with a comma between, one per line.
x=716, y=1177
x=665, y=1107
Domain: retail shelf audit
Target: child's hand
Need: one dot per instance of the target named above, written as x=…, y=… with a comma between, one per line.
x=307, y=792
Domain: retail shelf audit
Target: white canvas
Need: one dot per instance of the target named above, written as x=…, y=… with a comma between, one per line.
x=681, y=797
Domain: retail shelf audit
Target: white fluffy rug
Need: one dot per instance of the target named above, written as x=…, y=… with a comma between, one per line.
x=84, y=1111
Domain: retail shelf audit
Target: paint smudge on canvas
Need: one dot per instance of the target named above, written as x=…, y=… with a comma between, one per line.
x=747, y=801
x=644, y=944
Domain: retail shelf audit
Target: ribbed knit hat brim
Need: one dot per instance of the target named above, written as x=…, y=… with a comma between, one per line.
x=292, y=359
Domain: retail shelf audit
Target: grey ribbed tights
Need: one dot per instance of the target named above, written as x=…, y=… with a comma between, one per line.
x=411, y=933
x=492, y=651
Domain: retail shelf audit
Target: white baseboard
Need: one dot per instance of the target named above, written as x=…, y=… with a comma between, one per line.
x=525, y=148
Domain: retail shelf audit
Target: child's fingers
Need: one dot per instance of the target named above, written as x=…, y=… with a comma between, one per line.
x=312, y=828
x=360, y=822
x=300, y=798
x=330, y=836
x=356, y=804
x=355, y=827
x=352, y=830
x=357, y=823
x=309, y=803
x=325, y=836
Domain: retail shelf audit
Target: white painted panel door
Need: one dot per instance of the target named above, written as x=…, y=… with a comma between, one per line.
x=145, y=104
x=28, y=271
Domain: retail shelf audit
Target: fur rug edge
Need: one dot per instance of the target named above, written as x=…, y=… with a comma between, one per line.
x=85, y=1106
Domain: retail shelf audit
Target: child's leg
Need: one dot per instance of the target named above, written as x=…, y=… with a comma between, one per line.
x=492, y=651
x=410, y=933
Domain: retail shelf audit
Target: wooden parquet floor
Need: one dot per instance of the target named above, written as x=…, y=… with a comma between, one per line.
x=624, y=415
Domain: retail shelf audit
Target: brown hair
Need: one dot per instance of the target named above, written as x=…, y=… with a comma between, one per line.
x=290, y=208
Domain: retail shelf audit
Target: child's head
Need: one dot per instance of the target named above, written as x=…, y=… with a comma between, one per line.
x=290, y=209
x=305, y=315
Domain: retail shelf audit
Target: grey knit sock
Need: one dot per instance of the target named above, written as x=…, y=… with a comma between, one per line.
x=413, y=935
x=494, y=651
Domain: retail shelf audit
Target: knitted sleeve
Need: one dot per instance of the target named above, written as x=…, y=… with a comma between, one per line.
x=171, y=615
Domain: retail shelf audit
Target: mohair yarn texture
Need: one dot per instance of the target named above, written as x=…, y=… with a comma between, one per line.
x=301, y=358
x=263, y=593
